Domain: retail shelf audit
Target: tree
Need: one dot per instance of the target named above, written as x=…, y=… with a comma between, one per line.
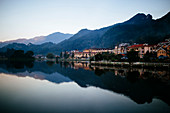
x=98, y=57
x=113, y=57
x=9, y=52
x=50, y=63
x=18, y=54
x=132, y=56
x=147, y=57
x=29, y=54
x=50, y=56
x=119, y=56
x=61, y=55
x=72, y=56
x=105, y=56
x=66, y=55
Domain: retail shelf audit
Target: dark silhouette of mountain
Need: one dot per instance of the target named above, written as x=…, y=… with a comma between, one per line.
x=140, y=18
x=37, y=49
x=139, y=29
x=83, y=39
x=54, y=38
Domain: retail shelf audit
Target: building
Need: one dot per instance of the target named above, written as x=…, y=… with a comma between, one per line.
x=121, y=48
x=99, y=50
x=87, y=53
x=164, y=48
x=83, y=65
x=161, y=52
x=39, y=57
x=143, y=48
x=78, y=54
x=93, y=51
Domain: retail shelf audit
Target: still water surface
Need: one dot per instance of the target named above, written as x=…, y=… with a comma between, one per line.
x=45, y=87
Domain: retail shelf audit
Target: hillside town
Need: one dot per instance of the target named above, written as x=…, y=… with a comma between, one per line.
x=161, y=50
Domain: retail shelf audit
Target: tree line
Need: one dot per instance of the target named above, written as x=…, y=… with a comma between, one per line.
x=13, y=54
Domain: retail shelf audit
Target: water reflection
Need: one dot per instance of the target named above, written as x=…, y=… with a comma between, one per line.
x=36, y=96
x=140, y=85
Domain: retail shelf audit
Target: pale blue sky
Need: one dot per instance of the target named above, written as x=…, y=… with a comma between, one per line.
x=30, y=18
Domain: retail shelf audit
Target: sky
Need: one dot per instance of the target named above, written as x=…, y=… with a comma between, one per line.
x=31, y=18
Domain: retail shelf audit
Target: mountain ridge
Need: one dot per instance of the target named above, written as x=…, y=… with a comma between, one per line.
x=55, y=37
x=140, y=28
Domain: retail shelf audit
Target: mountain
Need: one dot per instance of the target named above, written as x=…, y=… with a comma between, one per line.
x=140, y=18
x=83, y=39
x=37, y=49
x=139, y=29
x=54, y=37
x=2, y=44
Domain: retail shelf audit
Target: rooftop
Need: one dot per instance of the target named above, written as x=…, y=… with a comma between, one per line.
x=139, y=45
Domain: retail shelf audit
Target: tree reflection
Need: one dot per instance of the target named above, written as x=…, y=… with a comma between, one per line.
x=99, y=72
x=18, y=64
x=132, y=76
x=50, y=63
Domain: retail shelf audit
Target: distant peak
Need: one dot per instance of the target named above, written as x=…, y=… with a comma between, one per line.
x=149, y=16
x=29, y=44
x=140, y=14
x=60, y=33
x=139, y=19
x=85, y=29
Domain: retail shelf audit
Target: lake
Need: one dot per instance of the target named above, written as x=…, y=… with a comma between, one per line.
x=76, y=87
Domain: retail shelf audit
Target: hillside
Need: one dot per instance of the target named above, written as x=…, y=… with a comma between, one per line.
x=140, y=29
x=37, y=49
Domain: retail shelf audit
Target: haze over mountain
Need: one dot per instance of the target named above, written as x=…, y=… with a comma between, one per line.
x=139, y=29
x=54, y=37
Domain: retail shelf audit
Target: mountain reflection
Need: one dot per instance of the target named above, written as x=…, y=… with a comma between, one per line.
x=141, y=85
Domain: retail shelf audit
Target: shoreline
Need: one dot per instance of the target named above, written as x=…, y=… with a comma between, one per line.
x=135, y=64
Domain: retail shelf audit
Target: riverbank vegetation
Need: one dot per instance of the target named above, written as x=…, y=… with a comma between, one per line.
x=17, y=55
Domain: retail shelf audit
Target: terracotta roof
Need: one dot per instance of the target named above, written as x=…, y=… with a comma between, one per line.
x=151, y=45
x=139, y=45
x=78, y=52
x=164, y=42
x=86, y=52
x=100, y=49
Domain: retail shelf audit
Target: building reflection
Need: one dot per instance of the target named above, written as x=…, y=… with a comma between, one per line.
x=76, y=65
x=163, y=75
x=143, y=73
